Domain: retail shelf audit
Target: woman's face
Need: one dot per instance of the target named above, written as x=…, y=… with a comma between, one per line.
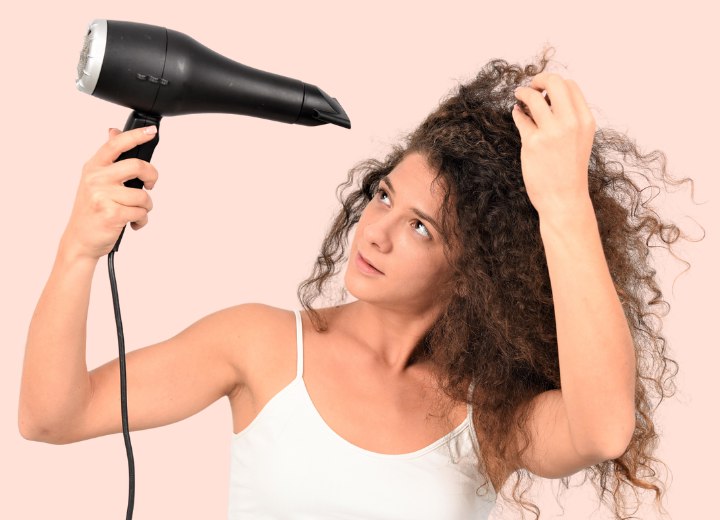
x=406, y=247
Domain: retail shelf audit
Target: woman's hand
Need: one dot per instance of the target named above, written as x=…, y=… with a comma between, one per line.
x=103, y=205
x=557, y=139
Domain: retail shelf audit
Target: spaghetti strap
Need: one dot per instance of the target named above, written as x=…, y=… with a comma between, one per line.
x=299, y=342
x=473, y=432
x=470, y=393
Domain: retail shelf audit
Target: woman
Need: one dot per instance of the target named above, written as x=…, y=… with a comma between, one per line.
x=498, y=328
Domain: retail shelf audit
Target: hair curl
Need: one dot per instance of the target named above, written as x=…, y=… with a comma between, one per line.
x=471, y=142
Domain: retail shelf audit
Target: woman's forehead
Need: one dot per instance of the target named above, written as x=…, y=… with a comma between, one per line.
x=414, y=172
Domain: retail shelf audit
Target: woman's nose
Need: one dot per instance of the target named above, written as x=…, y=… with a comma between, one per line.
x=378, y=232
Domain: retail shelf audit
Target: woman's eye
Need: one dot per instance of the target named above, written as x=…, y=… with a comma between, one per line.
x=426, y=234
x=382, y=193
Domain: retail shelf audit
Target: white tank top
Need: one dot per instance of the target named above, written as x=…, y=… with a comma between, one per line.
x=288, y=464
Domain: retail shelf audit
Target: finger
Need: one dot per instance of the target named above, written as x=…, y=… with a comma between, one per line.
x=131, y=168
x=120, y=143
x=523, y=122
x=132, y=198
x=140, y=223
x=131, y=215
x=117, y=215
x=581, y=106
x=538, y=107
x=558, y=92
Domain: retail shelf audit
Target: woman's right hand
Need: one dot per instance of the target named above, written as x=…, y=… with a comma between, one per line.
x=103, y=205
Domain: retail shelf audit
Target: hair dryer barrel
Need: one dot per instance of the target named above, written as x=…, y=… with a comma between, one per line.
x=164, y=72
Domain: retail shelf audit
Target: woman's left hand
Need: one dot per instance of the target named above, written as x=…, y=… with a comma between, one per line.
x=556, y=143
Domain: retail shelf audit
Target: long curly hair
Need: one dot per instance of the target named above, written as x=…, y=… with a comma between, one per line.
x=500, y=273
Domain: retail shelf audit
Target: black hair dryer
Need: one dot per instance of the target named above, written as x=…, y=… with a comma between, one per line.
x=160, y=72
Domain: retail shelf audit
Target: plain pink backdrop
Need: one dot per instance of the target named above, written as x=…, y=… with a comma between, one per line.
x=242, y=204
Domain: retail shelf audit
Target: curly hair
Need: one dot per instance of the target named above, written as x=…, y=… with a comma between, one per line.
x=500, y=272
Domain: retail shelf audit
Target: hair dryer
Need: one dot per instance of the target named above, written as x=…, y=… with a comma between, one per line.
x=160, y=72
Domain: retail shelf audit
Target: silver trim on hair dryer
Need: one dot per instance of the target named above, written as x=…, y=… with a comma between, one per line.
x=91, y=56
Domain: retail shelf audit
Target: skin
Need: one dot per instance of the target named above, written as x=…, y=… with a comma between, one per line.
x=395, y=309
x=377, y=333
x=557, y=138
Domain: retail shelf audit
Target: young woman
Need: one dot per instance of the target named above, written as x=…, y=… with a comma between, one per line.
x=498, y=327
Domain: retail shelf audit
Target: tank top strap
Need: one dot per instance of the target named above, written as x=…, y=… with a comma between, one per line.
x=470, y=393
x=469, y=403
x=299, y=343
x=473, y=433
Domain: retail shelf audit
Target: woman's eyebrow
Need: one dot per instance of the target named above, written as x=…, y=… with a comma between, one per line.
x=418, y=212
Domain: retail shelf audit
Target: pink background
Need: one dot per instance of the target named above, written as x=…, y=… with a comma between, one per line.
x=242, y=204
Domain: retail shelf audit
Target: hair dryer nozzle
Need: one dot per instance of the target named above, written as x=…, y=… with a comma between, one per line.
x=319, y=108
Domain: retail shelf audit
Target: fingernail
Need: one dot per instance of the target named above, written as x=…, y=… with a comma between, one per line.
x=150, y=130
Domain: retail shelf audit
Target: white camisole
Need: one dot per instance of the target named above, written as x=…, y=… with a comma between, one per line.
x=288, y=464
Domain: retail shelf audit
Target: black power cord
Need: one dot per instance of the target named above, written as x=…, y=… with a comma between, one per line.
x=123, y=385
x=144, y=152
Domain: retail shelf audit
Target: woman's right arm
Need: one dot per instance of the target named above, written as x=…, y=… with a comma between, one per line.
x=60, y=401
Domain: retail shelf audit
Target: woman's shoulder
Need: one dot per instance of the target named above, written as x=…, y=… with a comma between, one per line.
x=250, y=332
x=263, y=342
x=248, y=320
x=260, y=333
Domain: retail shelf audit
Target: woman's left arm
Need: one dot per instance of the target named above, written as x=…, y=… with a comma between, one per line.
x=597, y=356
x=595, y=346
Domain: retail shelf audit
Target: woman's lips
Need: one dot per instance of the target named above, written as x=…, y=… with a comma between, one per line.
x=364, y=266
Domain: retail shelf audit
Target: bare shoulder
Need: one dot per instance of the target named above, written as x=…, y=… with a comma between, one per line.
x=264, y=358
x=253, y=330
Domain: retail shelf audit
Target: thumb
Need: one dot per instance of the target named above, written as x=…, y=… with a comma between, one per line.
x=112, y=132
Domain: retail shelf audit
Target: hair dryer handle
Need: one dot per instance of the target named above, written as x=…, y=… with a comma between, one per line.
x=143, y=151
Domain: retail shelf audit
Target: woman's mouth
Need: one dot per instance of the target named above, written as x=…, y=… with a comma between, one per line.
x=365, y=266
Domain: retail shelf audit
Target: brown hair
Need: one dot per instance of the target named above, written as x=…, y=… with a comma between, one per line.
x=471, y=142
